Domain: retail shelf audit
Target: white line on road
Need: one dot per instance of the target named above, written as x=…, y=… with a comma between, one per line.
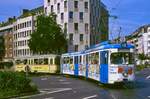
x=148, y=77
x=61, y=90
x=43, y=78
x=46, y=93
x=89, y=97
x=65, y=83
x=61, y=80
x=50, y=98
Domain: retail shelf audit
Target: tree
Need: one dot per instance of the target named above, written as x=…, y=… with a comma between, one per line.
x=142, y=56
x=48, y=36
x=2, y=48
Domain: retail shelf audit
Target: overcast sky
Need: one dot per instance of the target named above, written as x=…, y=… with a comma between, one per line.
x=131, y=13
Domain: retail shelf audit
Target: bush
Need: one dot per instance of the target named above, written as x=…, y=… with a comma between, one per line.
x=16, y=82
x=141, y=67
x=6, y=64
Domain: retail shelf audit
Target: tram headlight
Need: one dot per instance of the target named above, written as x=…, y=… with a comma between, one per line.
x=130, y=71
x=120, y=70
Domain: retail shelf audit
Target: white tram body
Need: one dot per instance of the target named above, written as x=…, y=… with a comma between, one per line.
x=105, y=62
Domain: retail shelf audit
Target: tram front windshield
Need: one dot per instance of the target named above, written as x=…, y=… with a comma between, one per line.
x=122, y=58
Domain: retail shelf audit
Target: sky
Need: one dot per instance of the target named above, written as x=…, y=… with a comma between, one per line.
x=131, y=14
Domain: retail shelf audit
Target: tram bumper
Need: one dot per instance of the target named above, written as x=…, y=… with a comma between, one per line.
x=125, y=78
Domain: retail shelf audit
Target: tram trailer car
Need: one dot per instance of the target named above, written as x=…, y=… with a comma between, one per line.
x=105, y=62
x=37, y=64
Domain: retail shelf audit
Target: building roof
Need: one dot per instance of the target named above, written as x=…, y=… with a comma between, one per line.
x=26, y=12
x=137, y=32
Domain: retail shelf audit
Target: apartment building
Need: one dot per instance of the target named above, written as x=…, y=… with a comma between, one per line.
x=80, y=20
x=141, y=39
x=23, y=27
x=7, y=33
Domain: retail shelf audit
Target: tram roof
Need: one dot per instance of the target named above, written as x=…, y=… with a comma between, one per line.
x=102, y=46
x=73, y=53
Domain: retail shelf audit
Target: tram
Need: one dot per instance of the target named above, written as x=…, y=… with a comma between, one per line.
x=37, y=63
x=105, y=62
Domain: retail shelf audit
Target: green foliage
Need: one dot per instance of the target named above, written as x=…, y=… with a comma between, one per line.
x=6, y=64
x=48, y=37
x=16, y=83
x=141, y=67
x=143, y=56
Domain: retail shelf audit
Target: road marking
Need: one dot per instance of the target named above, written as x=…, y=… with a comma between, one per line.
x=50, y=92
x=61, y=80
x=148, y=77
x=66, y=83
x=50, y=98
x=43, y=78
x=94, y=96
x=61, y=90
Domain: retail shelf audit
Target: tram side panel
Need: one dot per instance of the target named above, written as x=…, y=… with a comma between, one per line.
x=67, y=65
x=93, y=71
x=82, y=66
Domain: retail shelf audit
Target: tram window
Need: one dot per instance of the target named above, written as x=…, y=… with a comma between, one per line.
x=94, y=58
x=35, y=61
x=87, y=59
x=67, y=60
x=122, y=58
x=45, y=61
x=25, y=61
x=64, y=60
x=17, y=62
x=80, y=59
x=40, y=61
x=71, y=60
x=84, y=59
x=104, y=57
x=51, y=61
x=76, y=60
x=31, y=61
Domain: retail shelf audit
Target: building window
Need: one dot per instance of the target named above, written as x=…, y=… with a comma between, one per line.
x=71, y=39
x=71, y=16
x=45, y=10
x=76, y=5
x=52, y=9
x=48, y=1
x=65, y=28
x=81, y=37
x=81, y=16
x=76, y=48
x=58, y=7
x=76, y=27
x=62, y=16
x=86, y=28
x=55, y=1
x=65, y=4
x=86, y=6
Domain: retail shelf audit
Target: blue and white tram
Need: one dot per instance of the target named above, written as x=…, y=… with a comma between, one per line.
x=107, y=63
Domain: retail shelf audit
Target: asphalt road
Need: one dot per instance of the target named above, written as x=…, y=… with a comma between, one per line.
x=60, y=87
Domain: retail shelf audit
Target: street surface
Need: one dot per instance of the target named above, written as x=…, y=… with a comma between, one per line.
x=59, y=87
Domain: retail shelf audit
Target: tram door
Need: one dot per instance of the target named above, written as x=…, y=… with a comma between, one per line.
x=104, y=66
x=76, y=63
